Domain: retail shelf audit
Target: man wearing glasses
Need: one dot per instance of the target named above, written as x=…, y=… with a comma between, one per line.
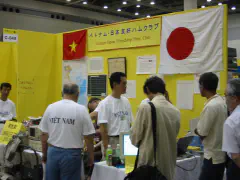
x=231, y=132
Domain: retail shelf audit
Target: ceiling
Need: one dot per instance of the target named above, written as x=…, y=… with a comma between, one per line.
x=129, y=9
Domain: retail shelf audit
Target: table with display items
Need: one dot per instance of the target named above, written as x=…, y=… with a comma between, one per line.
x=103, y=172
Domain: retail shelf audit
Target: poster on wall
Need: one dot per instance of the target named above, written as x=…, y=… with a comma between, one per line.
x=76, y=72
x=95, y=65
x=146, y=64
x=185, y=93
x=117, y=65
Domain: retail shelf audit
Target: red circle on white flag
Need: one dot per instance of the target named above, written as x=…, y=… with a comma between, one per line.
x=180, y=43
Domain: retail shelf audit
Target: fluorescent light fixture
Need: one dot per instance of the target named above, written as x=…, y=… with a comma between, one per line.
x=124, y=2
x=85, y=2
x=136, y=13
x=138, y=6
x=152, y=3
x=233, y=8
x=148, y=16
x=220, y=4
x=119, y=10
x=203, y=6
x=105, y=7
x=138, y=0
x=209, y=0
x=68, y=0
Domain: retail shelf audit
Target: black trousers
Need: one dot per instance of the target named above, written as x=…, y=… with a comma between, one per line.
x=212, y=171
x=233, y=171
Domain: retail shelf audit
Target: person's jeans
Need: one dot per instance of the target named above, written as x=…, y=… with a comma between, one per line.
x=63, y=164
x=212, y=171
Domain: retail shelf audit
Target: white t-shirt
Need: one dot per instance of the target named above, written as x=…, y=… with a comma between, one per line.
x=117, y=113
x=7, y=110
x=231, y=133
x=66, y=122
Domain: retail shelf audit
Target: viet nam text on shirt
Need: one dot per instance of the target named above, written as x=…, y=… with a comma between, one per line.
x=64, y=120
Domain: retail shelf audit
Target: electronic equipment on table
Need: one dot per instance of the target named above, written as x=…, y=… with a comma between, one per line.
x=127, y=148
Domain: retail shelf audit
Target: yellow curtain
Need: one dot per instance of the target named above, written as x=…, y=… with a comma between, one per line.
x=8, y=67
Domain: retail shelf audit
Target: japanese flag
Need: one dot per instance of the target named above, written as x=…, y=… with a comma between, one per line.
x=192, y=42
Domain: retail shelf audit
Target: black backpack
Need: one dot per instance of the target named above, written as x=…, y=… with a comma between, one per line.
x=147, y=172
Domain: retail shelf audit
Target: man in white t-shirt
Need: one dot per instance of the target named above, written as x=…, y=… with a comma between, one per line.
x=114, y=112
x=210, y=128
x=64, y=125
x=7, y=107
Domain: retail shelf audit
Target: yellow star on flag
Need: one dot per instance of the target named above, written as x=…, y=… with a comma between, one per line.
x=73, y=46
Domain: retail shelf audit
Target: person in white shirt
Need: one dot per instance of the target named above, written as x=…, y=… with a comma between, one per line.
x=114, y=112
x=64, y=125
x=231, y=131
x=210, y=128
x=7, y=107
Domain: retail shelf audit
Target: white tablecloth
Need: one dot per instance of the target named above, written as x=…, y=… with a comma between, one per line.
x=103, y=172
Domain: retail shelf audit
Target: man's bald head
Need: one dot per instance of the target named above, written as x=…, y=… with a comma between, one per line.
x=70, y=89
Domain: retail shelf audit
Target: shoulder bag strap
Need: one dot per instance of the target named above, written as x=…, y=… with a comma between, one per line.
x=154, y=130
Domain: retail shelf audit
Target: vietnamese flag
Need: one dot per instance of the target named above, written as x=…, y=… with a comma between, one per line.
x=74, y=45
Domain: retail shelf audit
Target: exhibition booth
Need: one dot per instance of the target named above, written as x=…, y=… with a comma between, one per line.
x=178, y=47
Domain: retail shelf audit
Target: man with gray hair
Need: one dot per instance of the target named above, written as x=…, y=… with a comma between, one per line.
x=63, y=127
x=231, y=131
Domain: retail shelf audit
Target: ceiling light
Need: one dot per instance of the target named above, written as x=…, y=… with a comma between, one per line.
x=136, y=13
x=124, y=2
x=138, y=6
x=105, y=7
x=68, y=0
x=119, y=10
x=148, y=16
x=85, y=2
x=203, y=6
x=138, y=0
x=233, y=8
x=152, y=3
x=209, y=0
x=220, y=4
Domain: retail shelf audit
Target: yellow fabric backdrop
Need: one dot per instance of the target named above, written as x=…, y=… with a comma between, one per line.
x=8, y=67
x=38, y=73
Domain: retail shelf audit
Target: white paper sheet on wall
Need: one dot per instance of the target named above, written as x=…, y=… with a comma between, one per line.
x=146, y=64
x=131, y=89
x=196, y=82
x=95, y=65
x=185, y=90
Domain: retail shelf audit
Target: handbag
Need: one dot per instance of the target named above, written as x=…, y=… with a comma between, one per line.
x=147, y=172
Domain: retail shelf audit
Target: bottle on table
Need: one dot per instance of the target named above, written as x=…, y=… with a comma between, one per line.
x=117, y=157
x=109, y=153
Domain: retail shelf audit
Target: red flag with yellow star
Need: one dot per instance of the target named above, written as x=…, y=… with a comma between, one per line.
x=74, y=45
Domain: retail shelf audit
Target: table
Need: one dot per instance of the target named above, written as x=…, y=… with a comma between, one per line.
x=103, y=172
